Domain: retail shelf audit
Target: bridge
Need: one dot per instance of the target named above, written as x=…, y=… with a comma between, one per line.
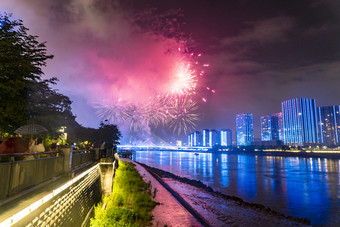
x=53, y=188
x=160, y=148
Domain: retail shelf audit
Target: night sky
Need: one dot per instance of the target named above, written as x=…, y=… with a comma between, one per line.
x=260, y=52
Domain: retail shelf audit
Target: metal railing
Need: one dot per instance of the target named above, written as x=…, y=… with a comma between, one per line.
x=21, y=171
x=70, y=204
x=18, y=175
x=66, y=205
x=28, y=156
x=82, y=157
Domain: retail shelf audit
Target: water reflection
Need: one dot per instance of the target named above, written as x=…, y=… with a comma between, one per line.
x=302, y=187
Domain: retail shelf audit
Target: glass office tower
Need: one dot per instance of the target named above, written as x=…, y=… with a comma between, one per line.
x=328, y=121
x=299, y=121
x=205, y=138
x=244, y=129
x=213, y=137
x=226, y=137
x=190, y=139
x=266, y=128
x=197, y=138
x=271, y=127
x=279, y=132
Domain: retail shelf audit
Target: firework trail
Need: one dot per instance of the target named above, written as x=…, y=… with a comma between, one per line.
x=183, y=115
x=185, y=80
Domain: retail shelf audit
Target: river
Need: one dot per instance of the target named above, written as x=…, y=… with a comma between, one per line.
x=297, y=186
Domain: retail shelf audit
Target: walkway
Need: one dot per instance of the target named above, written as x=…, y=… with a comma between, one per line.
x=169, y=212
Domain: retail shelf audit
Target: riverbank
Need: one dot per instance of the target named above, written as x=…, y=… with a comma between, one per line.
x=289, y=153
x=282, y=154
x=275, y=153
x=130, y=203
x=219, y=209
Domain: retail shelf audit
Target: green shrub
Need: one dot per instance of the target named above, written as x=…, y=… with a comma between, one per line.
x=130, y=203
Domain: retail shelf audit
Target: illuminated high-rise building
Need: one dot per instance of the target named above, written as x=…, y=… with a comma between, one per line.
x=213, y=137
x=197, y=138
x=279, y=131
x=337, y=112
x=244, y=129
x=271, y=127
x=205, y=138
x=299, y=121
x=190, y=139
x=225, y=137
x=329, y=128
x=266, y=128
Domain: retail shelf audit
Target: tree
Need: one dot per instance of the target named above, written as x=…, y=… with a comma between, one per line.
x=21, y=59
x=49, y=108
x=25, y=96
x=108, y=133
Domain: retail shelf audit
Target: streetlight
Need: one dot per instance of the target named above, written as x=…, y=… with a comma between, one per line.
x=63, y=136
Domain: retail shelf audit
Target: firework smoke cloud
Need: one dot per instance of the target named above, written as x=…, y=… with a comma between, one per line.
x=134, y=67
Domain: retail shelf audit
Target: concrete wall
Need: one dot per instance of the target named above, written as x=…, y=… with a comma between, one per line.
x=69, y=204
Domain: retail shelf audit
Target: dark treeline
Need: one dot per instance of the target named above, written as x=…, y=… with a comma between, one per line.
x=26, y=98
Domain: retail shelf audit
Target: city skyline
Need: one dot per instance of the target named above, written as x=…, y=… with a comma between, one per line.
x=301, y=122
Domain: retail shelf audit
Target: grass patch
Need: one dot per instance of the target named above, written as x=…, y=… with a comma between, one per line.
x=130, y=203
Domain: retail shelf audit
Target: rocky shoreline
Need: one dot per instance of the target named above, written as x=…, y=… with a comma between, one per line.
x=175, y=180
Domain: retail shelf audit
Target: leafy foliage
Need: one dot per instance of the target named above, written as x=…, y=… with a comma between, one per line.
x=21, y=59
x=49, y=108
x=130, y=203
x=25, y=96
x=106, y=132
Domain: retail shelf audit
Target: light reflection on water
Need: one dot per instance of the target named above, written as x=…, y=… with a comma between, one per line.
x=296, y=186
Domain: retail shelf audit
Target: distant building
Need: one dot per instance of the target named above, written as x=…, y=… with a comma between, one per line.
x=197, y=138
x=271, y=127
x=190, y=139
x=205, y=138
x=214, y=137
x=279, y=131
x=299, y=121
x=226, y=137
x=329, y=128
x=244, y=129
x=266, y=128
